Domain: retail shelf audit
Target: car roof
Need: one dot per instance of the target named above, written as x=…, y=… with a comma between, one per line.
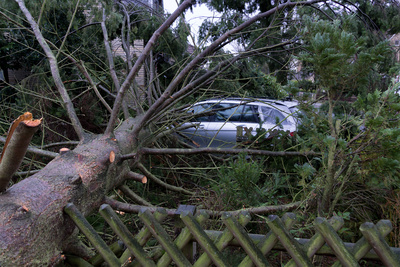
x=266, y=101
x=277, y=104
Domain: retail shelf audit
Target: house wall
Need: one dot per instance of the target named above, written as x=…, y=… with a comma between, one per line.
x=395, y=43
x=16, y=76
x=135, y=49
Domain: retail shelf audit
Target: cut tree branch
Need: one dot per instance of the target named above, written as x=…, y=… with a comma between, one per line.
x=136, y=177
x=18, y=139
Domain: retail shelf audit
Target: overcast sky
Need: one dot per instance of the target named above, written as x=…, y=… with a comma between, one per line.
x=195, y=18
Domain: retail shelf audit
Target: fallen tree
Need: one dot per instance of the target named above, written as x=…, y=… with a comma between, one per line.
x=33, y=228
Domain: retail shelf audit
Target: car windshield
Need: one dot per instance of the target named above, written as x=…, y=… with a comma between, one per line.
x=274, y=116
x=227, y=112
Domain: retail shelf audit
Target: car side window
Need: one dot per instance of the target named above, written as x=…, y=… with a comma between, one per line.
x=198, y=109
x=249, y=114
x=273, y=116
x=229, y=112
x=226, y=112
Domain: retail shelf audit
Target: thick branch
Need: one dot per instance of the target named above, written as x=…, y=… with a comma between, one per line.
x=136, y=177
x=35, y=150
x=54, y=71
x=14, y=150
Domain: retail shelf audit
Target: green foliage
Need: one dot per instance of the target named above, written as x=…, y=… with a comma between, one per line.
x=266, y=35
x=381, y=14
x=238, y=182
x=243, y=182
x=245, y=78
x=340, y=61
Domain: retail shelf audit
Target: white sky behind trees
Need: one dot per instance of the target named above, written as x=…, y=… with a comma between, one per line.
x=195, y=18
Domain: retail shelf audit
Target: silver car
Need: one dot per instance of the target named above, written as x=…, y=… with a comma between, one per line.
x=224, y=122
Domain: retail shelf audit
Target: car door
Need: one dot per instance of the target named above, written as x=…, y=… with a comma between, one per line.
x=198, y=134
x=221, y=130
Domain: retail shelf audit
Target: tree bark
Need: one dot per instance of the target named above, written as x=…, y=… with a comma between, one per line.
x=33, y=226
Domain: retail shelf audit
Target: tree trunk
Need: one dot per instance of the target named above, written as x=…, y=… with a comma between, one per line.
x=33, y=226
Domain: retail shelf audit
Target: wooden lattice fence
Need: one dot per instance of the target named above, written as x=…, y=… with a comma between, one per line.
x=179, y=251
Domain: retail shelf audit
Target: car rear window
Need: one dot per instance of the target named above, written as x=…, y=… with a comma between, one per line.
x=274, y=116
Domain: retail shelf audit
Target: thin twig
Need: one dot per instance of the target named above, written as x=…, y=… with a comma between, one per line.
x=132, y=195
x=159, y=182
x=83, y=70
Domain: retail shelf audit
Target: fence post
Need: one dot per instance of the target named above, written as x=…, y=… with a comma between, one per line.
x=163, y=238
x=334, y=241
x=292, y=246
x=91, y=234
x=244, y=240
x=371, y=233
x=317, y=241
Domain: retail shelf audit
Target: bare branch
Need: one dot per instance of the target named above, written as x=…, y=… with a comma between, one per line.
x=140, y=61
x=37, y=151
x=126, y=40
x=41, y=152
x=26, y=173
x=65, y=143
x=130, y=208
x=54, y=71
x=132, y=195
x=83, y=70
x=107, y=91
x=117, y=205
x=210, y=150
x=111, y=59
x=158, y=181
x=136, y=177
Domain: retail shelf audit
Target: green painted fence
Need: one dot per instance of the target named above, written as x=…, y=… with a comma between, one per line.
x=197, y=246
